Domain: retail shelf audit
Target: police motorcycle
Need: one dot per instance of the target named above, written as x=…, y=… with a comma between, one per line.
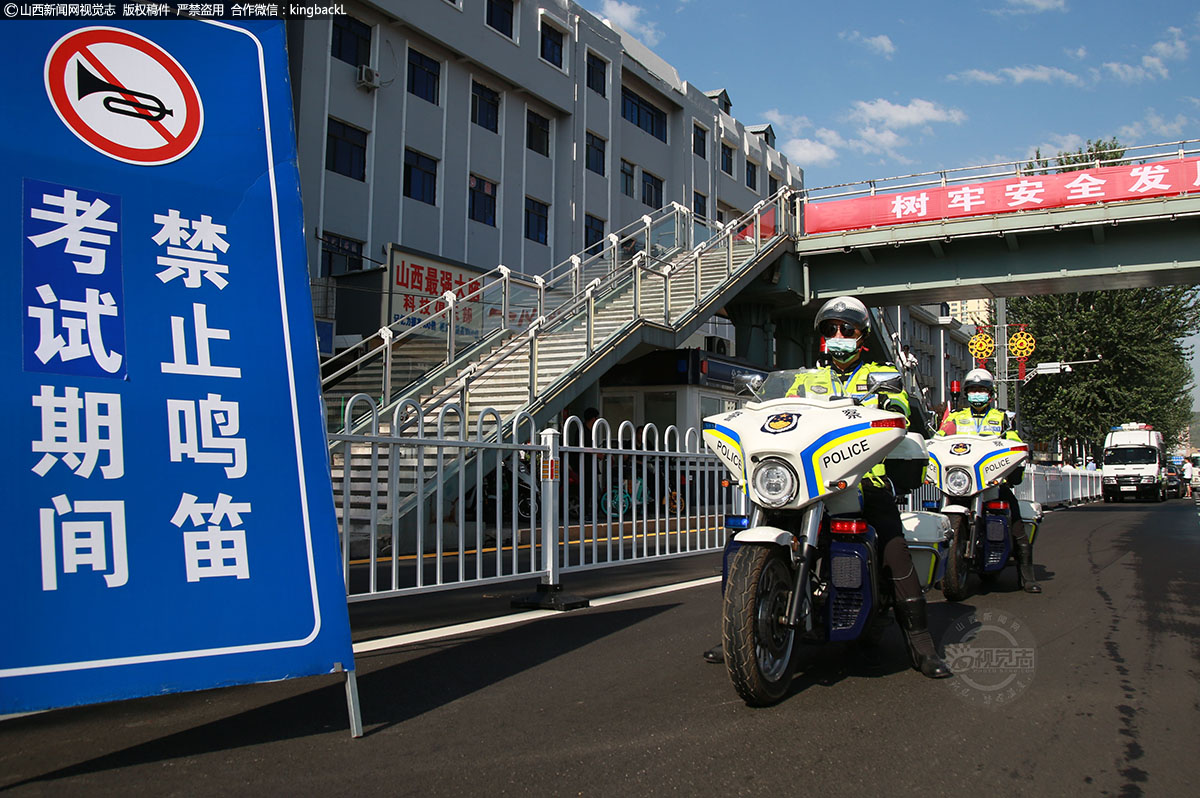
x=968, y=470
x=803, y=562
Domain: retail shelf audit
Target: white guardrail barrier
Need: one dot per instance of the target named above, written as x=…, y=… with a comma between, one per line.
x=1049, y=486
x=422, y=511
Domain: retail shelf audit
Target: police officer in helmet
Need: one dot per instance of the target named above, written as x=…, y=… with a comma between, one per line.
x=843, y=324
x=979, y=417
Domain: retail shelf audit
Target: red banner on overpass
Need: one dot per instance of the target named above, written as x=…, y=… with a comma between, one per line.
x=1017, y=193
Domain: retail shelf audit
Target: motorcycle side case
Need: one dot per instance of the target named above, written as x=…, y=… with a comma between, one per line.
x=906, y=463
x=928, y=538
x=1031, y=514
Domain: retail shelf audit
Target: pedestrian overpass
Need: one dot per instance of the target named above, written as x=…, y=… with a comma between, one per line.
x=535, y=342
x=1125, y=244
x=472, y=384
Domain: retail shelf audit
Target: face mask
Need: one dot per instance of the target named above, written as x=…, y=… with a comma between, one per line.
x=841, y=346
x=977, y=398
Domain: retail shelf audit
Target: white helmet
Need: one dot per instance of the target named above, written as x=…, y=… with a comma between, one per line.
x=844, y=308
x=980, y=380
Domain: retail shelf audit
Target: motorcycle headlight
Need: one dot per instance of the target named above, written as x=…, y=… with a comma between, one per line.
x=958, y=482
x=775, y=482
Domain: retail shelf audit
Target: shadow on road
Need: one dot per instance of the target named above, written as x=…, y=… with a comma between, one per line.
x=393, y=687
x=826, y=665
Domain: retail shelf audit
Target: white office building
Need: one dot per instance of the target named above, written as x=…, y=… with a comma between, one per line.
x=471, y=133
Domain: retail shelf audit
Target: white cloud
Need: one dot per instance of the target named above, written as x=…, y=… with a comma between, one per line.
x=1174, y=50
x=881, y=44
x=1154, y=125
x=1068, y=142
x=1079, y=53
x=830, y=137
x=806, y=152
x=1019, y=75
x=917, y=112
x=872, y=140
x=629, y=17
x=1041, y=74
x=1152, y=65
x=976, y=76
x=1034, y=6
x=786, y=124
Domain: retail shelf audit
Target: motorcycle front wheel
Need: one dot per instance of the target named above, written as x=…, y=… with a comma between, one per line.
x=954, y=582
x=758, y=647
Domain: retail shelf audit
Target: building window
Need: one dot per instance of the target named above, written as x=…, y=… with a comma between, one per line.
x=751, y=175
x=420, y=177
x=727, y=159
x=351, y=41
x=485, y=107
x=423, y=76
x=552, y=44
x=537, y=133
x=772, y=185
x=481, y=201
x=594, y=154
x=652, y=190
x=699, y=204
x=700, y=141
x=340, y=255
x=644, y=114
x=346, y=150
x=537, y=220
x=593, y=233
x=597, y=74
x=500, y=16
x=627, y=178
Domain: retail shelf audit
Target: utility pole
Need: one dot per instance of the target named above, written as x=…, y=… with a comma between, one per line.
x=1002, y=352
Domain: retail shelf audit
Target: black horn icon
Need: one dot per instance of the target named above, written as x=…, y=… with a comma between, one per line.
x=152, y=111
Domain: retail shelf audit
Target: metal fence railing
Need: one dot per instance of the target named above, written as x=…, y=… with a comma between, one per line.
x=1049, y=486
x=469, y=503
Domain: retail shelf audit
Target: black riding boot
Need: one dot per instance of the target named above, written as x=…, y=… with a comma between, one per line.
x=911, y=614
x=1025, y=566
x=715, y=655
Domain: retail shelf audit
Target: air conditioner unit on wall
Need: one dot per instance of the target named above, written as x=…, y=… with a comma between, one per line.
x=367, y=78
x=716, y=344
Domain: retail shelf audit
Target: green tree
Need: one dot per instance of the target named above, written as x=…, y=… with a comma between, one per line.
x=1143, y=374
x=1138, y=334
x=1092, y=154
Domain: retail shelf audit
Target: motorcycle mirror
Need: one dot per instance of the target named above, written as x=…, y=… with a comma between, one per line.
x=885, y=382
x=751, y=382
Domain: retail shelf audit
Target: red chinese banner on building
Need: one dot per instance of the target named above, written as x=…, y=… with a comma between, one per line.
x=418, y=289
x=1018, y=193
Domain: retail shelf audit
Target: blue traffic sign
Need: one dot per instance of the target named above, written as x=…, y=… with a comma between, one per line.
x=169, y=514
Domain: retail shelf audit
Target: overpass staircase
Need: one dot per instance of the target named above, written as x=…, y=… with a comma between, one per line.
x=509, y=351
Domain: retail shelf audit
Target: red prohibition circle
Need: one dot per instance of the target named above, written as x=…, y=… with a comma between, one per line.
x=56, y=87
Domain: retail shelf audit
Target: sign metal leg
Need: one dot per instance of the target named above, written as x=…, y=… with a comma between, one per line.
x=352, y=707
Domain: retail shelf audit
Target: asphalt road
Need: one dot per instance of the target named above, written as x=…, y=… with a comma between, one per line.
x=615, y=700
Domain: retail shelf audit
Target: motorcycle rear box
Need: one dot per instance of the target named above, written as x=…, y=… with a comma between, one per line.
x=928, y=538
x=906, y=463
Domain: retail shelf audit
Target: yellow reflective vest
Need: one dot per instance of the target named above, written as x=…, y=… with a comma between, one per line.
x=993, y=423
x=826, y=381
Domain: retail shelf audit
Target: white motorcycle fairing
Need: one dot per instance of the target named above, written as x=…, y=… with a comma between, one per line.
x=830, y=445
x=985, y=460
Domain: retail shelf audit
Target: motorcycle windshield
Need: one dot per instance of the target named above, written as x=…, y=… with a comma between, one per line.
x=780, y=384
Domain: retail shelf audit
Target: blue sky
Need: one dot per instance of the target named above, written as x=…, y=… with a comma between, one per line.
x=865, y=89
